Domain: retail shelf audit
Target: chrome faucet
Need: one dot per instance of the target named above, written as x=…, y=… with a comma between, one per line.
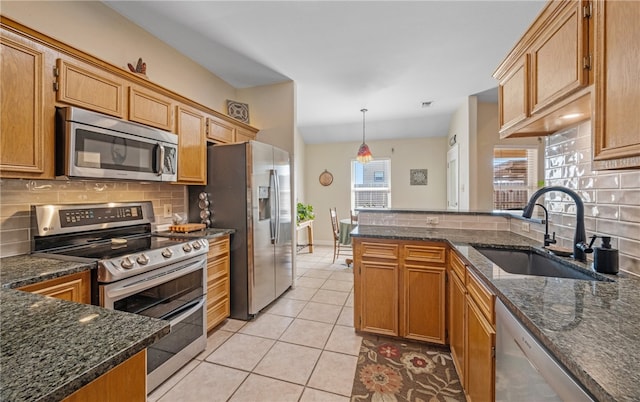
x=580, y=246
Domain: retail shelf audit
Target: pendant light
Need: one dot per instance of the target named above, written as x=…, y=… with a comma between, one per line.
x=364, y=154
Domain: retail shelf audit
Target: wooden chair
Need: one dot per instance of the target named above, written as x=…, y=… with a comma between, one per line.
x=337, y=247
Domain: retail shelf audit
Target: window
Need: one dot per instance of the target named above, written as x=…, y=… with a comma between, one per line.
x=515, y=177
x=371, y=184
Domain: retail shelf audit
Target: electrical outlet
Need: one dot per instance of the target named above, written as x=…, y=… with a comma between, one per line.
x=525, y=226
x=432, y=220
x=168, y=211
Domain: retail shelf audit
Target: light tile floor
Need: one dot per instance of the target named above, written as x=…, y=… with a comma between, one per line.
x=301, y=348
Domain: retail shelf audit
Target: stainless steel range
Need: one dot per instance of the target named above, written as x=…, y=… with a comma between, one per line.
x=138, y=272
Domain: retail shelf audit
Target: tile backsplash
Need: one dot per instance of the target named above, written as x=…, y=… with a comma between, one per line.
x=611, y=198
x=17, y=196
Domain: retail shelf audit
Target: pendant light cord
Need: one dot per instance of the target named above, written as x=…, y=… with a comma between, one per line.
x=363, y=112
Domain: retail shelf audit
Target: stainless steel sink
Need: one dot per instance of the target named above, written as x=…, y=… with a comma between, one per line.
x=530, y=262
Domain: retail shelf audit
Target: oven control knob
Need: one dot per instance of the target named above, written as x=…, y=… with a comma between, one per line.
x=186, y=247
x=167, y=253
x=126, y=263
x=142, y=259
x=196, y=245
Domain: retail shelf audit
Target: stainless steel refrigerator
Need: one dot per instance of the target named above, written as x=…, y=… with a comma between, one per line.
x=249, y=190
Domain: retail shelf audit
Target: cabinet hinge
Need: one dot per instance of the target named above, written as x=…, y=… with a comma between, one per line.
x=493, y=352
x=586, y=10
x=206, y=124
x=56, y=87
x=586, y=62
x=56, y=72
x=446, y=336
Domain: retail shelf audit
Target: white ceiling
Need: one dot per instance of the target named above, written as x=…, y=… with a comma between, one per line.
x=386, y=56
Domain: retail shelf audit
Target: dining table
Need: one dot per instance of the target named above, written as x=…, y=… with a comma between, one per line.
x=345, y=231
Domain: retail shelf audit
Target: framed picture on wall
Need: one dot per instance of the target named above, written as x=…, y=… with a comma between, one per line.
x=418, y=177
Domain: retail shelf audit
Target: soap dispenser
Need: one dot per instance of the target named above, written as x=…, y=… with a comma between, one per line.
x=605, y=258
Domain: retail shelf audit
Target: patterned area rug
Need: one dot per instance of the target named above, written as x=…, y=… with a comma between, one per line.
x=390, y=371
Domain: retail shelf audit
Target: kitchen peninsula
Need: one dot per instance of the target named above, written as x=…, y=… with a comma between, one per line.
x=600, y=348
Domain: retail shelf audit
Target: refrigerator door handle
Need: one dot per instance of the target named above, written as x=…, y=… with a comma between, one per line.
x=277, y=192
x=272, y=205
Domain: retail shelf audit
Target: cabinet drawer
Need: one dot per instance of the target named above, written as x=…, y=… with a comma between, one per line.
x=218, y=246
x=417, y=254
x=217, y=291
x=217, y=313
x=217, y=268
x=482, y=296
x=379, y=250
x=458, y=266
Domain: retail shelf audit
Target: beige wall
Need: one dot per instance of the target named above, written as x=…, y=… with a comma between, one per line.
x=463, y=126
x=426, y=153
x=488, y=139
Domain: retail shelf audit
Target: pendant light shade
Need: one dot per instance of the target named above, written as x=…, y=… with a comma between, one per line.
x=364, y=153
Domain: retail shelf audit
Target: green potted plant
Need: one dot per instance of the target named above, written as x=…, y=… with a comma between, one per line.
x=305, y=212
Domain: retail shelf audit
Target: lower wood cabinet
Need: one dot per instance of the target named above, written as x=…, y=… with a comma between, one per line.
x=75, y=287
x=218, y=275
x=127, y=382
x=472, y=334
x=400, y=289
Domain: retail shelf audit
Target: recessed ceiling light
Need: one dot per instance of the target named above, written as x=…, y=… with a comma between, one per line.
x=427, y=103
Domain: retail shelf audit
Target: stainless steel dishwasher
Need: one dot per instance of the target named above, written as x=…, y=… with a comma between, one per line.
x=525, y=370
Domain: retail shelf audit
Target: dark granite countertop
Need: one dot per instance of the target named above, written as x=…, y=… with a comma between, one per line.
x=46, y=353
x=590, y=326
x=517, y=214
x=51, y=348
x=208, y=233
x=22, y=270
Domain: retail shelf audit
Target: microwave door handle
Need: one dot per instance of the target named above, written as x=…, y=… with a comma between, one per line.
x=161, y=161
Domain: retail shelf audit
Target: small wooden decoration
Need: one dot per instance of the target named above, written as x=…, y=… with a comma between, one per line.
x=326, y=178
x=140, y=68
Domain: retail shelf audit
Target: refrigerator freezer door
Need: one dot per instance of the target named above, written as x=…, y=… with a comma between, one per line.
x=262, y=281
x=283, y=242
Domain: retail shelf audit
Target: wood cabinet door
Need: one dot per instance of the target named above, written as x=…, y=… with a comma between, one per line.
x=150, y=108
x=616, y=124
x=457, y=320
x=192, y=148
x=74, y=287
x=218, y=275
x=558, y=57
x=513, y=94
x=219, y=130
x=88, y=87
x=243, y=135
x=423, y=303
x=378, y=310
x=480, y=359
x=26, y=108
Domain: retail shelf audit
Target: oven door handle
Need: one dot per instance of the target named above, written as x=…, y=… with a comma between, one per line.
x=142, y=284
x=185, y=311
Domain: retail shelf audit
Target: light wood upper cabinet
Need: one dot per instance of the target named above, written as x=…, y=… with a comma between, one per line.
x=82, y=85
x=26, y=108
x=559, y=57
x=546, y=75
x=192, y=151
x=152, y=109
x=616, y=121
x=243, y=135
x=74, y=287
x=219, y=130
x=218, y=281
x=223, y=131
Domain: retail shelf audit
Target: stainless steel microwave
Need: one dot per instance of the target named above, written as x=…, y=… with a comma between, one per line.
x=97, y=146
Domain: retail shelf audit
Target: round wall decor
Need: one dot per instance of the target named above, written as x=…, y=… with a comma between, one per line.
x=326, y=178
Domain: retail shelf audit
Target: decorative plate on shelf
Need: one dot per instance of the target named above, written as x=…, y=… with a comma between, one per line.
x=326, y=178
